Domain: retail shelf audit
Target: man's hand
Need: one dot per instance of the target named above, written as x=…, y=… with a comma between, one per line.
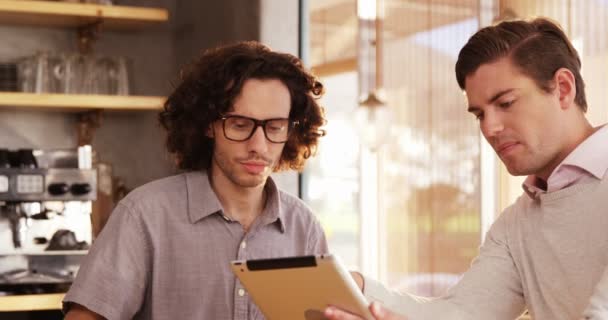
x=379, y=313
x=358, y=279
x=78, y=312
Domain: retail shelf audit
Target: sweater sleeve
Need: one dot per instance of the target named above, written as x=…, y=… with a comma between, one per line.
x=598, y=304
x=490, y=289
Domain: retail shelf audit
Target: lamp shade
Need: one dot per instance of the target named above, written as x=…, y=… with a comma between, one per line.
x=372, y=117
x=373, y=121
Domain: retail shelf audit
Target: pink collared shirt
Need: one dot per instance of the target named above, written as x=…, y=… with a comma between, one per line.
x=585, y=162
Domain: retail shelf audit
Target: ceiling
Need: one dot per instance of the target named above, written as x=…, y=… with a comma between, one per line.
x=333, y=23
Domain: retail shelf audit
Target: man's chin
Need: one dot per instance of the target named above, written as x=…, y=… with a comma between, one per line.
x=518, y=171
x=252, y=181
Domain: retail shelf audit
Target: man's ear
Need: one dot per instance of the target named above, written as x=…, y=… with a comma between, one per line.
x=565, y=86
x=210, y=133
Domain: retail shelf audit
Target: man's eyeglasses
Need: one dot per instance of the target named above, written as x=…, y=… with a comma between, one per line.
x=240, y=128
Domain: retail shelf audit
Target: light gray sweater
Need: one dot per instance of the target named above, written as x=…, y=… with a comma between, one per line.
x=545, y=254
x=598, y=305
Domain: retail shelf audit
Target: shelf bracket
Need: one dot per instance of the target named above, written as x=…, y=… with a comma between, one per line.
x=88, y=122
x=88, y=34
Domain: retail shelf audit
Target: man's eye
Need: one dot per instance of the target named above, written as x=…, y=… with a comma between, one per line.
x=275, y=128
x=479, y=116
x=506, y=104
x=240, y=124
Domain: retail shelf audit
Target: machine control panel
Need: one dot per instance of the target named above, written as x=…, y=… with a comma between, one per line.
x=30, y=183
x=48, y=184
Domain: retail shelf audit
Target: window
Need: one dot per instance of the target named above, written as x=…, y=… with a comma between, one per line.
x=428, y=193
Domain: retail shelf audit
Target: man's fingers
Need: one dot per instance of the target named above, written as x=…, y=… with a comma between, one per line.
x=381, y=313
x=377, y=310
x=333, y=313
x=358, y=279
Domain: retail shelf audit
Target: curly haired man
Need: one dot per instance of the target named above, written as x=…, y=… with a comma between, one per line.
x=240, y=113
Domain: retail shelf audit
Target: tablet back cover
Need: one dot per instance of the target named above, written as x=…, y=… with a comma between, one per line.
x=300, y=287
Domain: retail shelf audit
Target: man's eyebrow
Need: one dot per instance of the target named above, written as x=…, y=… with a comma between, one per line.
x=495, y=97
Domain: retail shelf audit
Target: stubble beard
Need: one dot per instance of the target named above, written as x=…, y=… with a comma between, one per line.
x=244, y=180
x=531, y=164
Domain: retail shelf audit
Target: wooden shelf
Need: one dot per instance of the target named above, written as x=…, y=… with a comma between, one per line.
x=45, y=253
x=31, y=302
x=79, y=102
x=66, y=14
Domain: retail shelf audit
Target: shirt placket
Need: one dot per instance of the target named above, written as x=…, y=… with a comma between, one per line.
x=241, y=297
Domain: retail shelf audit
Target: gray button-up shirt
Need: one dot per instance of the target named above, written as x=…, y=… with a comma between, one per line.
x=165, y=252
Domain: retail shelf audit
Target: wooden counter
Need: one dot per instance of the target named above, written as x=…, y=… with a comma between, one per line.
x=31, y=302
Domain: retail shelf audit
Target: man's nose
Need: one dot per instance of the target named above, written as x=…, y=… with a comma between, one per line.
x=491, y=125
x=258, y=141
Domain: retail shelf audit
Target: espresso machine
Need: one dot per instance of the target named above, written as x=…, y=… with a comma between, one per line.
x=45, y=217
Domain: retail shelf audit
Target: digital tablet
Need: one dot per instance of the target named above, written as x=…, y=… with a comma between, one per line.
x=300, y=288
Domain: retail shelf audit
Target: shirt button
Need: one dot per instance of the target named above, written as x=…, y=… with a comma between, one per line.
x=241, y=292
x=243, y=245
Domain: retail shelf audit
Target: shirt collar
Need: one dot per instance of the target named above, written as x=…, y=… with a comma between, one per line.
x=531, y=186
x=203, y=202
x=590, y=156
x=272, y=212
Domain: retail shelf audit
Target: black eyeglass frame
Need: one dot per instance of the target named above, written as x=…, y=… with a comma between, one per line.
x=258, y=123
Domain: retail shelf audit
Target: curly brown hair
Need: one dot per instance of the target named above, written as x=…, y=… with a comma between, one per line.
x=207, y=91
